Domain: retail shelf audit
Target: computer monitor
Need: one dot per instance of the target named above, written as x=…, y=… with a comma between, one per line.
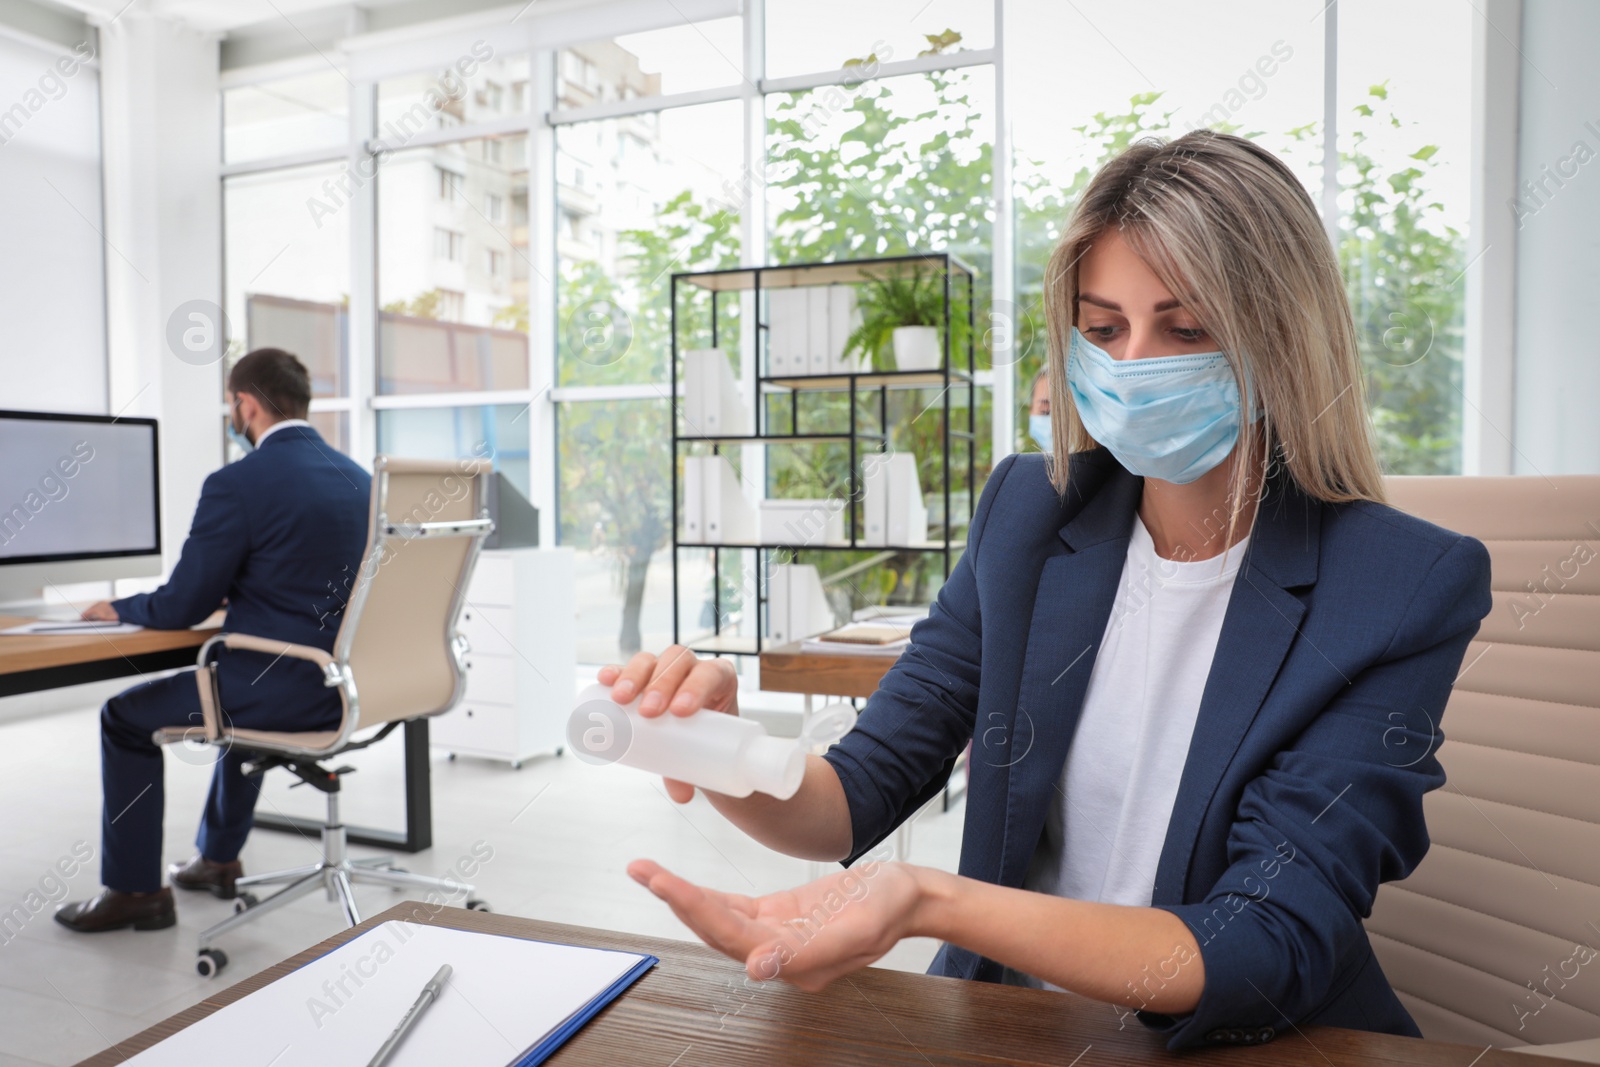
x=516, y=521
x=79, y=500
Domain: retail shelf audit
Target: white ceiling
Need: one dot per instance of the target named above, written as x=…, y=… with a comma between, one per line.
x=223, y=15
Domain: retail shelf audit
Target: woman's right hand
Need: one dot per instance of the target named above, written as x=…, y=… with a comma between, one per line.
x=679, y=682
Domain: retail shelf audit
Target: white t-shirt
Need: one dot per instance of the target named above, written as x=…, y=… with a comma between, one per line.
x=1104, y=834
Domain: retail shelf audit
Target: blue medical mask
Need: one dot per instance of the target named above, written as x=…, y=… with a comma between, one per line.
x=237, y=436
x=1167, y=417
x=1039, y=430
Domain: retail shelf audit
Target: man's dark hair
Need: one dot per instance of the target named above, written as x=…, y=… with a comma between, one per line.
x=276, y=379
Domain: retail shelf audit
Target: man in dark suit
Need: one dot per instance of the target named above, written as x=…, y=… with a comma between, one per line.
x=278, y=537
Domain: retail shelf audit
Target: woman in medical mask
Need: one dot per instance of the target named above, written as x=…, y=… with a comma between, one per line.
x=1039, y=411
x=1199, y=661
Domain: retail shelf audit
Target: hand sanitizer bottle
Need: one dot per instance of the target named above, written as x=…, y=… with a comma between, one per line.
x=723, y=753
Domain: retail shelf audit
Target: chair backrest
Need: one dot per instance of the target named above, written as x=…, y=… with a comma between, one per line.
x=1495, y=937
x=398, y=635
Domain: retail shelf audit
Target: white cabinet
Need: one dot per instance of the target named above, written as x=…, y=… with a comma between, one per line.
x=520, y=622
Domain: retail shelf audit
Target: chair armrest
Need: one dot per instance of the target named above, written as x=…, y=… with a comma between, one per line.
x=213, y=729
x=331, y=673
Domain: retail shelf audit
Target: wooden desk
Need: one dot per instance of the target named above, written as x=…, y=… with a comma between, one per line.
x=791, y=669
x=29, y=663
x=695, y=1009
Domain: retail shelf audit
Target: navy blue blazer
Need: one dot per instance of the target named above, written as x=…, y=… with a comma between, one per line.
x=1314, y=745
x=280, y=533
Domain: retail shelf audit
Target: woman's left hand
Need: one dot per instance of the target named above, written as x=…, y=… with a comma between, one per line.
x=807, y=936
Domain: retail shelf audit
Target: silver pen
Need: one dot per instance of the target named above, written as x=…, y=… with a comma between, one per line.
x=429, y=994
x=95, y=624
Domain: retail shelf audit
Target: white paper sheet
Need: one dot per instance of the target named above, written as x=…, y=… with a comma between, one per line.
x=503, y=997
x=47, y=628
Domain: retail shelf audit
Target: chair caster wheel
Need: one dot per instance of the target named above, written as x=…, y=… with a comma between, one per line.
x=244, y=902
x=211, y=962
x=516, y=765
x=478, y=905
x=451, y=756
x=559, y=750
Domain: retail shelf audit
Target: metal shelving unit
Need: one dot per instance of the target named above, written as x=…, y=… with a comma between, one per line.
x=873, y=385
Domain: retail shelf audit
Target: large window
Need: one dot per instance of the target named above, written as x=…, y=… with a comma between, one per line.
x=676, y=59
x=615, y=510
x=499, y=431
x=464, y=314
x=451, y=317
x=1402, y=139
x=1404, y=156
x=806, y=36
x=286, y=273
x=645, y=196
x=477, y=86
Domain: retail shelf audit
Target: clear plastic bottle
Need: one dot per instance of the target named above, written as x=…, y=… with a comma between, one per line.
x=723, y=753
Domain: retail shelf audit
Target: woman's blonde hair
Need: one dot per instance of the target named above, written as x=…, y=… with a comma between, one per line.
x=1230, y=231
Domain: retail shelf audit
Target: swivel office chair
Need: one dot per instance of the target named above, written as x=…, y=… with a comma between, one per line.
x=397, y=656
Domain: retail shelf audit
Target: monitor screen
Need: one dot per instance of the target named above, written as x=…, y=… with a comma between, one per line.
x=77, y=487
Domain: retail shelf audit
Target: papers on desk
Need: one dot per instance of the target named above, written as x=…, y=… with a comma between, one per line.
x=74, y=628
x=508, y=1002
x=883, y=636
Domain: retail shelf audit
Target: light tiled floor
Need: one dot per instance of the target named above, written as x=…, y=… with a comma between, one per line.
x=561, y=833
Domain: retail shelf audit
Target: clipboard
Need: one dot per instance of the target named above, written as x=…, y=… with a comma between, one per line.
x=511, y=1002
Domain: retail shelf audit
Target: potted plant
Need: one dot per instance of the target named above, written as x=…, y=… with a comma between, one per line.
x=903, y=313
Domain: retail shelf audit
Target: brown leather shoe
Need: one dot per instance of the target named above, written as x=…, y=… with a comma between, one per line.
x=215, y=878
x=114, y=910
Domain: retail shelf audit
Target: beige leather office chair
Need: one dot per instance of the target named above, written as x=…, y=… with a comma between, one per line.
x=1495, y=937
x=397, y=656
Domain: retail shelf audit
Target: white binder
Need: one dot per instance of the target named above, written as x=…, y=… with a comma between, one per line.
x=694, y=395
x=787, y=311
x=729, y=518
x=694, y=507
x=778, y=628
x=797, y=605
x=908, y=512
x=893, y=510
x=808, y=603
x=843, y=318
x=875, y=500
x=818, y=336
x=712, y=404
x=802, y=522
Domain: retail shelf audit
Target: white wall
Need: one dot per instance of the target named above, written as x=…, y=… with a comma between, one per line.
x=1557, y=371
x=51, y=263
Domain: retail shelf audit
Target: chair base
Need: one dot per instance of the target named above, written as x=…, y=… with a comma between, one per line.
x=336, y=874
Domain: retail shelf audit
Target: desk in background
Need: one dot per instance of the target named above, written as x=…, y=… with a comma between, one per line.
x=696, y=1008
x=793, y=669
x=32, y=662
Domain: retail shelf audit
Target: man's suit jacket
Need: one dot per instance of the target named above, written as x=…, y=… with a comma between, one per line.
x=280, y=534
x=1313, y=748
